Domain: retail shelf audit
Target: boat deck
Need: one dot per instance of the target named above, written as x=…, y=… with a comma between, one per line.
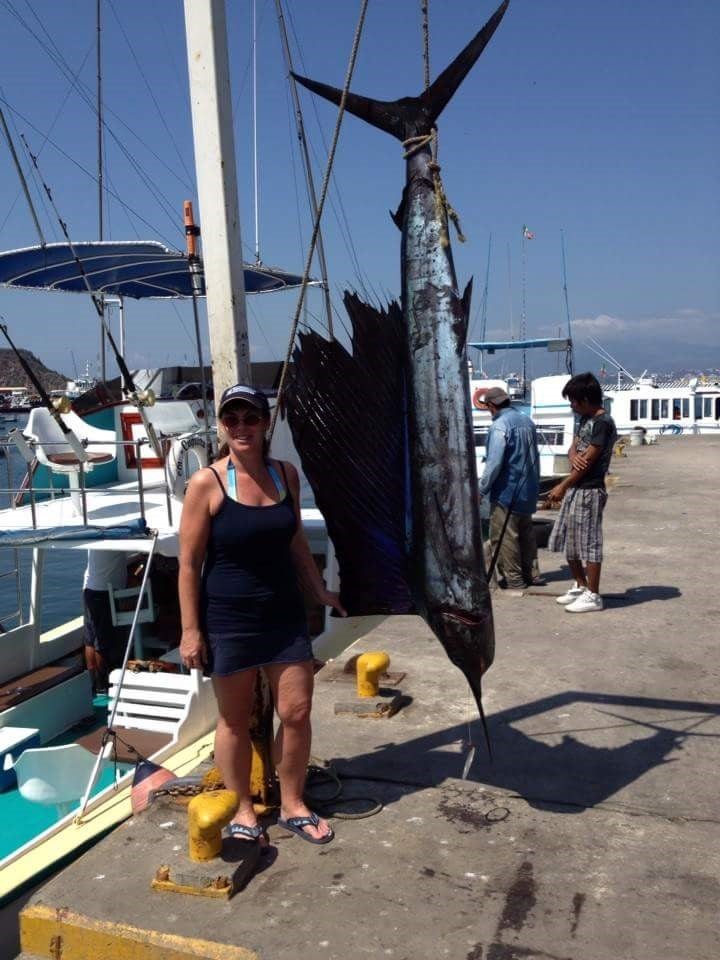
x=593, y=834
x=115, y=505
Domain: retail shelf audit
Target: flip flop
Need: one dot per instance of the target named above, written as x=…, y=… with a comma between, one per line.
x=242, y=830
x=296, y=824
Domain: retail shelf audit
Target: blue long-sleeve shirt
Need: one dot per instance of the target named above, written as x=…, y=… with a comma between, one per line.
x=512, y=468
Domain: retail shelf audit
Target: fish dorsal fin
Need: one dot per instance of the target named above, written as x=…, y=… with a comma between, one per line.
x=346, y=415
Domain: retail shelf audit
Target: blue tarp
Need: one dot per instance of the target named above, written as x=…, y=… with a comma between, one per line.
x=553, y=345
x=136, y=269
x=135, y=530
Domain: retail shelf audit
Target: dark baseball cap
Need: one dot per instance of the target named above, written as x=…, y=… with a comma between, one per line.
x=246, y=394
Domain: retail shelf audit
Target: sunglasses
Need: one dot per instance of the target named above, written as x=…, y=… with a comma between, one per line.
x=232, y=420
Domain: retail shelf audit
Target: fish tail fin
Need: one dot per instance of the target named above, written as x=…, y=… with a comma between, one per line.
x=413, y=116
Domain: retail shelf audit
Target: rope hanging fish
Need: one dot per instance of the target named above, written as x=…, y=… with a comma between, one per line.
x=385, y=432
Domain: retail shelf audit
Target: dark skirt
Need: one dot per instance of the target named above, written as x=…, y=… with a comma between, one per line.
x=230, y=653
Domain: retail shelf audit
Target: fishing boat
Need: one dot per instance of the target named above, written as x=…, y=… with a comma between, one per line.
x=651, y=406
x=123, y=466
x=546, y=406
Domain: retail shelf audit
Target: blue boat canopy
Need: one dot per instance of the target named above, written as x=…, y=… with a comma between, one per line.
x=134, y=529
x=139, y=269
x=555, y=345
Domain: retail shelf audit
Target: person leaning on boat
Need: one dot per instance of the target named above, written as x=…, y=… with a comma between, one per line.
x=243, y=557
x=104, y=642
x=511, y=480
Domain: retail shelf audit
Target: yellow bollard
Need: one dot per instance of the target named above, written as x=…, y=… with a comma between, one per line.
x=369, y=668
x=208, y=813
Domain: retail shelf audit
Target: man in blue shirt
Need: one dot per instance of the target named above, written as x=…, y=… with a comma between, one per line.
x=512, y=482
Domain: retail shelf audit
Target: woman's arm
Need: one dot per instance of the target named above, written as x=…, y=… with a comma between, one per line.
x=307, y=572
x=194, y=534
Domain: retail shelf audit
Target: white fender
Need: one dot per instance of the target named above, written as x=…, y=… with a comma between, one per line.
x=187, y=454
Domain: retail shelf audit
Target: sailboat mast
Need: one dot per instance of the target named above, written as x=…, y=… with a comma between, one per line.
x=483, y=317
x=567, y=302
x=523, y=317
x=98, y=51
x=21, y=175
x=211, y=103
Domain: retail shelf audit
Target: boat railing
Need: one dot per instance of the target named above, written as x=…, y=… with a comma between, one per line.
x=17, y=443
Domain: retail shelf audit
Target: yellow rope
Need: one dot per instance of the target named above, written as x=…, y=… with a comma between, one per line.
x=443, y=208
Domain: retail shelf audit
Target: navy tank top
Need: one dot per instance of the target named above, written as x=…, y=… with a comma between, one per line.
x=249, y=584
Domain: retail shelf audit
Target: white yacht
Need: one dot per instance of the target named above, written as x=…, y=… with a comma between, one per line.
x=689, y=405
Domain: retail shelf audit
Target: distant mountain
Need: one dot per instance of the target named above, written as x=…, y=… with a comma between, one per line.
x=13, y=375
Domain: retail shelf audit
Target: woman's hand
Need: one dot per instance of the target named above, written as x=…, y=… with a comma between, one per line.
x=193, y=650
x=329, y=599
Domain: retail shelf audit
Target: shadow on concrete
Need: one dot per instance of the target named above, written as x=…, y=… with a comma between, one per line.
x=641, y=595
x=552, y=768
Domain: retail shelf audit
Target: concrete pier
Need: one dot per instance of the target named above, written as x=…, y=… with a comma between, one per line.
x=594, y=834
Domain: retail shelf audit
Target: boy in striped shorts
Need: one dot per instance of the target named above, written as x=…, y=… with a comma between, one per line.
x=578, y=528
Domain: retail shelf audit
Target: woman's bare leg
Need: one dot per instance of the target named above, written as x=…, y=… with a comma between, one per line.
x=292, y=687
x=233, y=749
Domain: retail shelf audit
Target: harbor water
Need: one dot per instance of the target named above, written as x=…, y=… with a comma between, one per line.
x=63, y=570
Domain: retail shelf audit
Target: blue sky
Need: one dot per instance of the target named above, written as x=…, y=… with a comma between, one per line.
x=600, y=120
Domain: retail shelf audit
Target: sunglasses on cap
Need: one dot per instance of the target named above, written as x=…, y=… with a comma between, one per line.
x=232, y=420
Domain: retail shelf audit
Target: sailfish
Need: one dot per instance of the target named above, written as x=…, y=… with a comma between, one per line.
x=385, y=432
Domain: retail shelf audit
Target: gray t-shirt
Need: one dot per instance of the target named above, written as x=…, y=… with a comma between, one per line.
x=598, y=431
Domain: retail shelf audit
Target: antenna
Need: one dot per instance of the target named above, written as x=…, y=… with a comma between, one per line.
x=599, y=350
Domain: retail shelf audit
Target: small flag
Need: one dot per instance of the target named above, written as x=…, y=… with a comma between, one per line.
x=528, y=234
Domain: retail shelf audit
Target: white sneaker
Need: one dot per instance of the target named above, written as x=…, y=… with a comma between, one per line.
x=573, y=593
x=587, y=602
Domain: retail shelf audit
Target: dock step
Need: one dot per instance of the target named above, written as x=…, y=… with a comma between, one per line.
x=49, y=932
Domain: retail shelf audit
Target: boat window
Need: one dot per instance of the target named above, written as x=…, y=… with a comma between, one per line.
x=551, y=436
x=686, y=407
x=707, y=406
x=643, y=409
x=654, y=409
x=698, y=405
x=676, y=408
x=633, y=409
x=481, y=436
x=664, y=409
x=717, y=408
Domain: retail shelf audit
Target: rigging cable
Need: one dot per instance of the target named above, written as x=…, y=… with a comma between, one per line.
x=300, y=128
x=60, y=62
x=138, y=398
x=337, y=205
x=321, y=204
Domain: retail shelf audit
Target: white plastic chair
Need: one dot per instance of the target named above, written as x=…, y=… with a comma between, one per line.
x=56, y=453
x=122, y=614
x=53, y=450
x=54, y=776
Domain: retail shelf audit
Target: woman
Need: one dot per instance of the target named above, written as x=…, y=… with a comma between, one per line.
x=242, y=552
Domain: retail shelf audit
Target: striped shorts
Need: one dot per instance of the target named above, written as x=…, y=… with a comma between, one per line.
x=578, y=528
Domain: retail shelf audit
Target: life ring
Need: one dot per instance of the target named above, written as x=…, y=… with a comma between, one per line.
x=186, y=456
x=477, y=398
